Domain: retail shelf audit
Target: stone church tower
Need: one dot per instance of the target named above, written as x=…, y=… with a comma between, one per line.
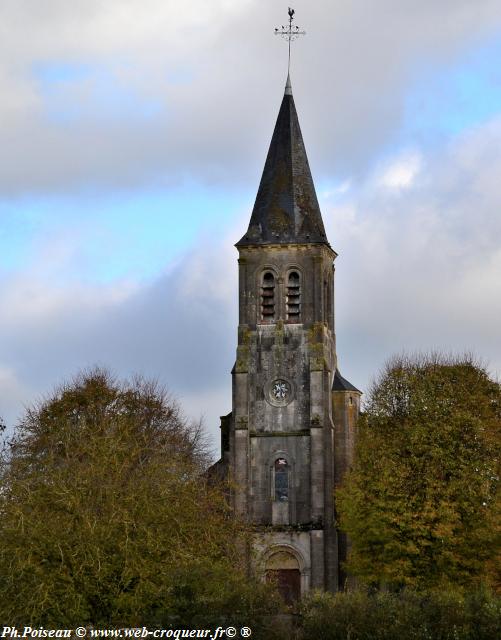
x=289, y=438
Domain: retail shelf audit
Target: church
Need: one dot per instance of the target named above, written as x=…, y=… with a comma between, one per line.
x=290, y=435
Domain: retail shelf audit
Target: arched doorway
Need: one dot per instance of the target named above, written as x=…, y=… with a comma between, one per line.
x=282, y=568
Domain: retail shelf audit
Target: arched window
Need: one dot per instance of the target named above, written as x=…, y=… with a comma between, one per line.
x=328, y=311
x=326, y=302
x=293, y=297
x=268, y=297
x=281, y=480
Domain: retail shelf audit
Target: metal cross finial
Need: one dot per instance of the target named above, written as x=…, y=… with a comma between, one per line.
x=289, y=33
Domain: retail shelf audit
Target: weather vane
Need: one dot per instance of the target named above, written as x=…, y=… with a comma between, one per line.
x=289, y=33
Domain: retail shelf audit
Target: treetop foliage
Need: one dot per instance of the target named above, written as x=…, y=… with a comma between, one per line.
x=432, y=386
x=95, y=407
x=422, y=502
x=107, y=518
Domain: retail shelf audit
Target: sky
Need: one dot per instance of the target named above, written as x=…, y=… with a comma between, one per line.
x=133, y=136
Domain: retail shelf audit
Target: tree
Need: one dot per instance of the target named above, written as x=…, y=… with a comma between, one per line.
x=106, y=517
x=383, y=615
x=422, y=502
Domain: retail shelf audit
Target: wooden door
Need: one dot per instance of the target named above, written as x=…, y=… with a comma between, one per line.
x=288, y=582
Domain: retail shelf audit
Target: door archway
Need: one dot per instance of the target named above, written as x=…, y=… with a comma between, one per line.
x=282, y=568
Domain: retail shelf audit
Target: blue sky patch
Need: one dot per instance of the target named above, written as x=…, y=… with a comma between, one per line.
x=450, y=99
x=73, y=91
x=104, y=238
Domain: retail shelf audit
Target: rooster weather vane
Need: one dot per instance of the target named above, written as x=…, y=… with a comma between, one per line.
x=289, y=33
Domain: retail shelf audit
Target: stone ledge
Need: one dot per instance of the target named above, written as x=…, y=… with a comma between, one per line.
x=278, y=434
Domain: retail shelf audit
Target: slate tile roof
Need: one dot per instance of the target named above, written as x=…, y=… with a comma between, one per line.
x=286, y=208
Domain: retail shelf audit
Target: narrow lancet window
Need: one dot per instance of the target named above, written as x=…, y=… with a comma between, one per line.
x=281, y=480
x=293, y=297
x=268, y=298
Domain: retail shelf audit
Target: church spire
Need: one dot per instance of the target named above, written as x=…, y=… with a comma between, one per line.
x=286, y=209
x=288, y=86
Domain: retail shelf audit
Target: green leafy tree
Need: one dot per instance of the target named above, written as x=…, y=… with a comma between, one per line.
x=409, y=615
x=107, y=518
x=422, y=503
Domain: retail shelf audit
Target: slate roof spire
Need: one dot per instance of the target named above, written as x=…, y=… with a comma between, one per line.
x=286, y=210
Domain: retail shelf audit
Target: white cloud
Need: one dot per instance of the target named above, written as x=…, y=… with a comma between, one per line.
x=337, y=190
x=422, y=271
x=179, y=328
x=13, y=395
x=49, y=285
x=210, y=77
x=419, y=257
x=401, y=173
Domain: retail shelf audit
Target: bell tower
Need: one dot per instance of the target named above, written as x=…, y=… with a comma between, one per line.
x=289, y=437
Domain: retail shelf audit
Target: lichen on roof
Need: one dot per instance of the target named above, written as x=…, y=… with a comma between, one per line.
x=286, y=209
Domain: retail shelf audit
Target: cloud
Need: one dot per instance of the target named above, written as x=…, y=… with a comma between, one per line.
x=401, y=173
x=126, y=94
x=179, y=327
x=13, y=395
x=137, y=97
x=420, y=267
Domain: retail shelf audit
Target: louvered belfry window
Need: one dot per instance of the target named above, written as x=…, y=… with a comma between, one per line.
x=268, y=297
x=293, y=297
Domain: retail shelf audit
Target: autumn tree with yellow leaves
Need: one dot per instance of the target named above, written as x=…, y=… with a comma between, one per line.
x=421, y=504
x=107, y=519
